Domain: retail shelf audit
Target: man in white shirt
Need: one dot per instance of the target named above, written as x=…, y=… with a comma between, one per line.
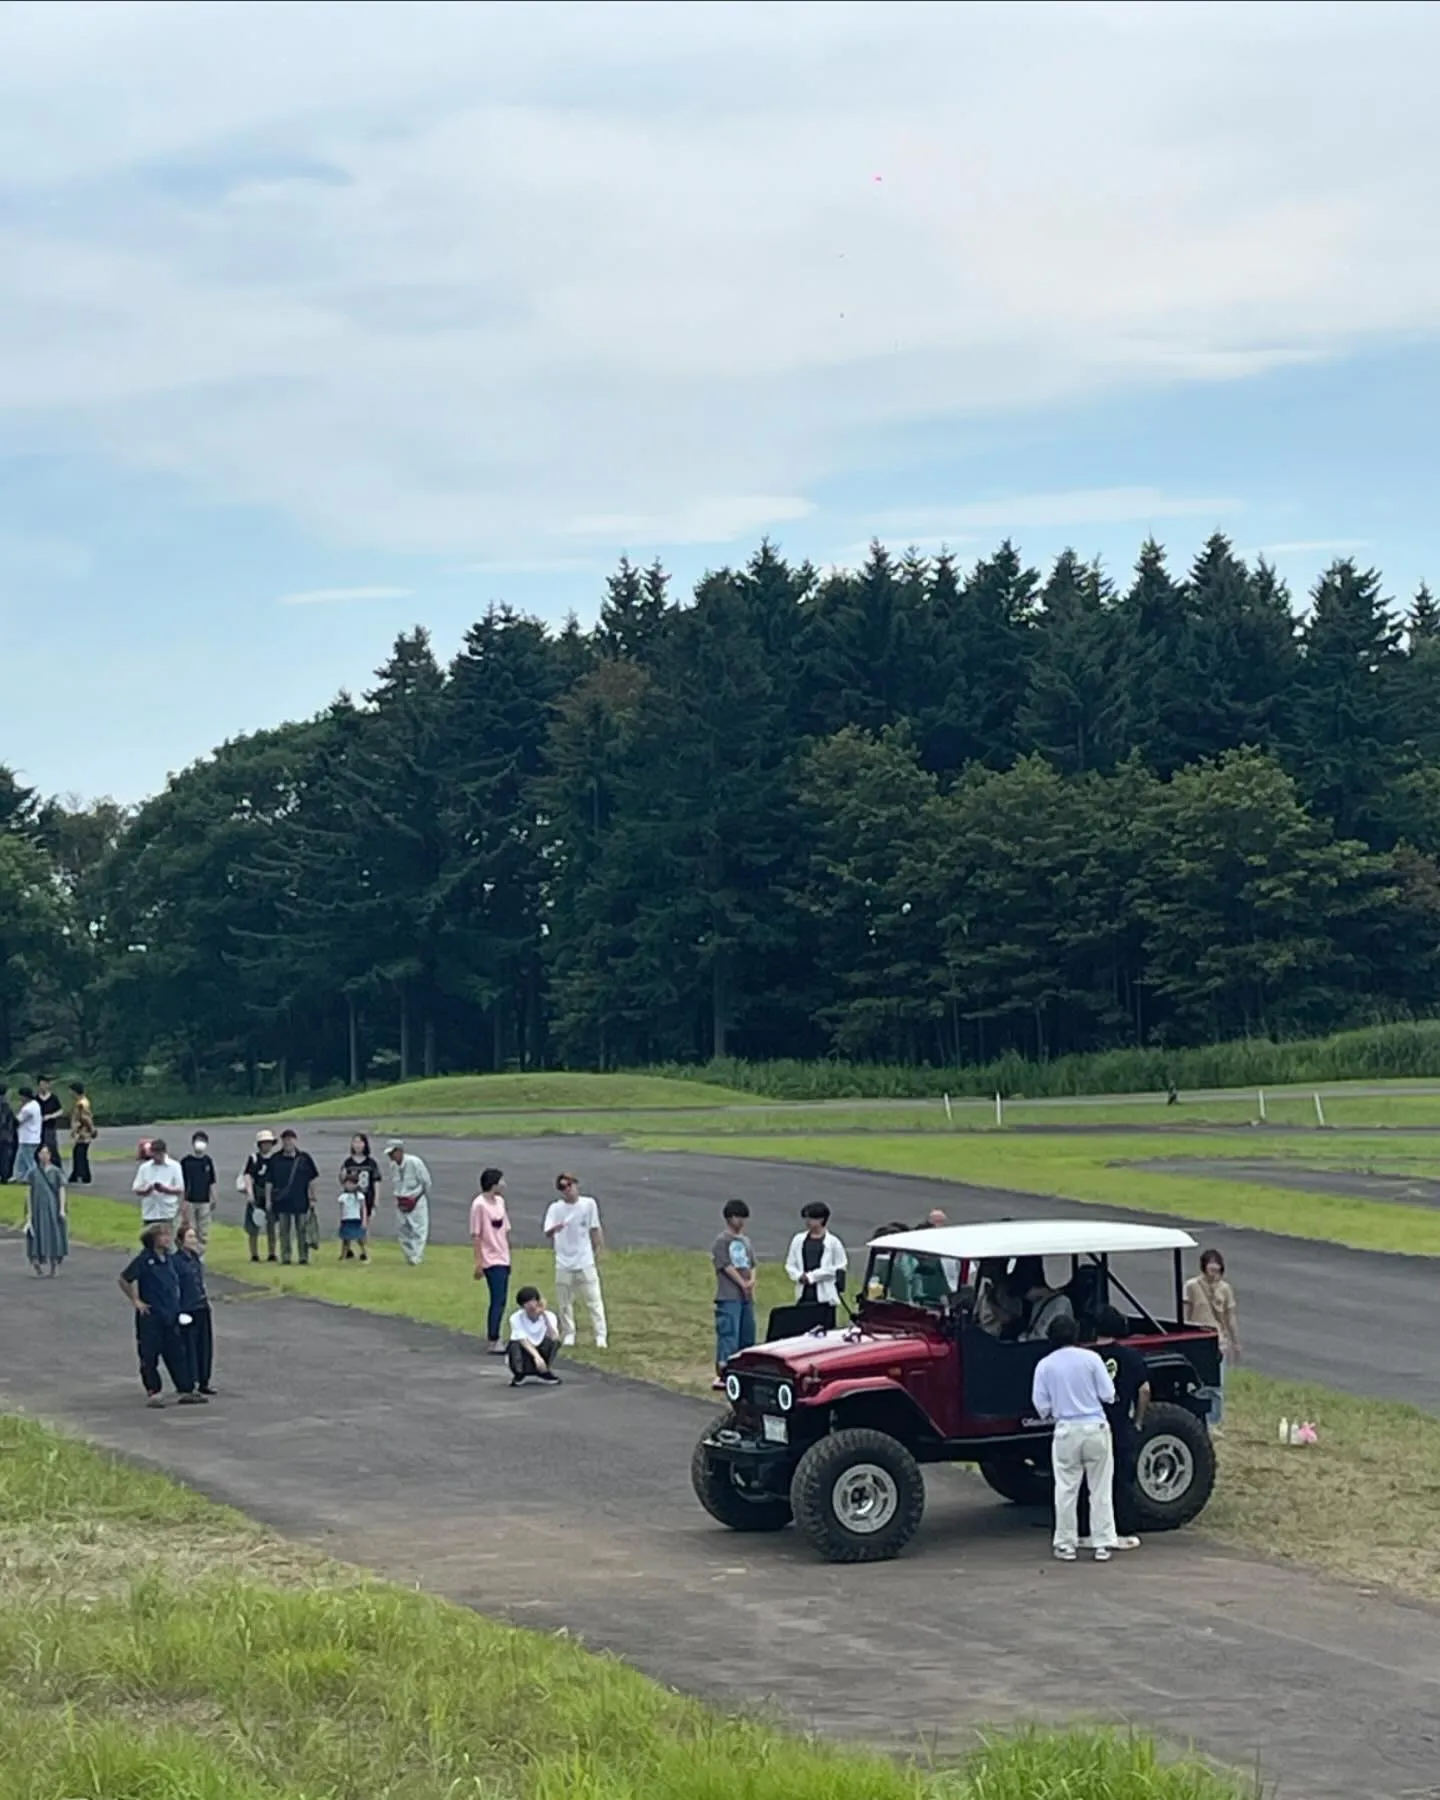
x=160, y=1184
x=412, y=1201
x=1073, y=1387
x=573, y=1226
x=29, y=1127
x=534, y=1339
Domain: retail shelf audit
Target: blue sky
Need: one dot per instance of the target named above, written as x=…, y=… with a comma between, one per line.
x=320, y=321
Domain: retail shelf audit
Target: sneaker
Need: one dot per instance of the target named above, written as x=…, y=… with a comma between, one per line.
x=602, y=1344
x=494, y=1349
x=272, y=1259
x=1063, y=1553
x=193, y=1400
x=551, y=1377
x=718, y=1385
x=517, y=1381
x=1125, y=1543
x=1102, y=1554
x=155, y=1400
x=568, y=1342
x=208, y=1392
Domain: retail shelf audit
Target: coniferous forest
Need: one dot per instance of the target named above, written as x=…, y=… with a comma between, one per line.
x=914, y=812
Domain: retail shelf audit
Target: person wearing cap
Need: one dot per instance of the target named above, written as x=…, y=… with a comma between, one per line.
x=412, y=1201
x=255, y=1185
x=159, y=1185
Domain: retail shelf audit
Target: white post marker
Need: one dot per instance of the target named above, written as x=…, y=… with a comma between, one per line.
x=1262, y=1106
x=949, y=1111
x=1319, y=1110
x=999, y=1109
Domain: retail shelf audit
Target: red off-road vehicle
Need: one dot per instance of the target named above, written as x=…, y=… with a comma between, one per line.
x=829, y=1430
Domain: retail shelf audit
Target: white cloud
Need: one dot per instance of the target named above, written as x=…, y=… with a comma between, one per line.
x=1078, y=506
x=1307, y=547
x=483, y=280
x=333, y=596
x=717, y=520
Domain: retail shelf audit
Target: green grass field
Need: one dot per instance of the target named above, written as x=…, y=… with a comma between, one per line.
x=1093, y=1170
x=156, y=1647
x=1359, y=1504
x=492, y=1093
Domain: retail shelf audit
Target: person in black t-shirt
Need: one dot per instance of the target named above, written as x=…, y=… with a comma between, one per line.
x=259, y=1214
x=51, y=1113
x=1131, y=1375
x=293, y=1175
x=197, y=1170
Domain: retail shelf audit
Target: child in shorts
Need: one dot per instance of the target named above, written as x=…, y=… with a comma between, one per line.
x=352, y=1217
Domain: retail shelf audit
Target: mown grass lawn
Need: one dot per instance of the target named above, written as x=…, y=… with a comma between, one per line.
x=1094, y=1169
x=156, y=1647
x=490, y=1093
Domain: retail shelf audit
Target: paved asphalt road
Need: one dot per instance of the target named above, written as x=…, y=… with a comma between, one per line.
x=1351, y=1320
x=571, y=1508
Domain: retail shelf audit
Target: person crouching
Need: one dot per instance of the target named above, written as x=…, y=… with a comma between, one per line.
x=534, y=1339
x=151, y=1283
x=197, y=1330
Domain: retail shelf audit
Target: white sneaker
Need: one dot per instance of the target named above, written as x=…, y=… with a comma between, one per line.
x=569, y=1342
x=1126, y=1543
x=1063, y=1553
x=1102, y=1554
x=602, y=1344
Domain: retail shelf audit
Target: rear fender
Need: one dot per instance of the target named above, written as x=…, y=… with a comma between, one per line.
x=1174, y=1377
x=873, y=1403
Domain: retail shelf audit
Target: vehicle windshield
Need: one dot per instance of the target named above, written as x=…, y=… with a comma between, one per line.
x=911, y=1279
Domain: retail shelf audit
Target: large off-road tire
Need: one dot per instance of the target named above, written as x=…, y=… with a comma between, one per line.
x=1024, y=1477
x=1174, y=1471
x=729, y=1501
x=858, y=1496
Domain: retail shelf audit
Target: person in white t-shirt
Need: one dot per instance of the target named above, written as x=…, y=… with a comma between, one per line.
x=534, y=1339
x=573, y=1226
x=29, y=1128
x=160, y=1184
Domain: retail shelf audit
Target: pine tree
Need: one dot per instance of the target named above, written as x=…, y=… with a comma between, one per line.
x=1346, y=724
x=985, y=644
x=1073, y=711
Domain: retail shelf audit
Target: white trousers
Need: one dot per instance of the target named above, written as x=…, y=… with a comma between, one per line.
x=584, y=1283
x=1082, y=1451
x=413, y=1231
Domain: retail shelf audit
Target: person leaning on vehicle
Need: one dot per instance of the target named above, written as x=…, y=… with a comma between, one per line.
x=1073, y=1387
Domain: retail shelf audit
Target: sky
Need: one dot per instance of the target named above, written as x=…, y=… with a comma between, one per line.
x=321, y=321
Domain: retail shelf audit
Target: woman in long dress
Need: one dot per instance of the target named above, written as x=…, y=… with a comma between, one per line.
x=47, y=1235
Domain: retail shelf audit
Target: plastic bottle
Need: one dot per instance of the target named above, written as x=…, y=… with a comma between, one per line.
x=1284, y=1431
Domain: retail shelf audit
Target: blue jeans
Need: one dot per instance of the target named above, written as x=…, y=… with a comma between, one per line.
x=734, y=1328
x=25, y=1156
x=1216, y=1396
x=498, y=1282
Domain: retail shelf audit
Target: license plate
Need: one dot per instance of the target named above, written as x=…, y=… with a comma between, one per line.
x=776, y=1430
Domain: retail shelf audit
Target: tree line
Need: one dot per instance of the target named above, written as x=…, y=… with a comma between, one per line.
x=909, y=812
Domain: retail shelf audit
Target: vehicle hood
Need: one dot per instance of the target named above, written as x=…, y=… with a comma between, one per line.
x=835, y=1355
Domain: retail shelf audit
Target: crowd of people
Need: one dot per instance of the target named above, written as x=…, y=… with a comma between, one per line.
x=279, y=1184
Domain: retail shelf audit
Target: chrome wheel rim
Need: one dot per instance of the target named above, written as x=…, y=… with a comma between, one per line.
x=865, y=1498
x=1166, y=1469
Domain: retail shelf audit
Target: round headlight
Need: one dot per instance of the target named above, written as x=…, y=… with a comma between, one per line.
x=785, y=1396
x=732, y=1387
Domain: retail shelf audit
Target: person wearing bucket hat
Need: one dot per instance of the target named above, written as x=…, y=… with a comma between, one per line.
x=254, y=1183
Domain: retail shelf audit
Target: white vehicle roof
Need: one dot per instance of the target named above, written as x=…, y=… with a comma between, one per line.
x=1036, y=1237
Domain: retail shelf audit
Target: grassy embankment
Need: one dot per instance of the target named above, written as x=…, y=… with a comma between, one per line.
x=156, y=1647
x=1360, y=1504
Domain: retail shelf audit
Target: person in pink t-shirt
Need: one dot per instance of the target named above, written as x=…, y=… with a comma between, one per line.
x=490, y=1234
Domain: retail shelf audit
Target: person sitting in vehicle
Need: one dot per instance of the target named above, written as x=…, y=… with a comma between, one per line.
x=999, y=1304
x=1043, y=1304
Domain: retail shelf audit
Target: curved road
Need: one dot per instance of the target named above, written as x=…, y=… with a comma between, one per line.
x=1353, y=1320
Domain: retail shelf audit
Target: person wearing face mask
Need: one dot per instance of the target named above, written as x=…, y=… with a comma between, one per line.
x=198, y=1170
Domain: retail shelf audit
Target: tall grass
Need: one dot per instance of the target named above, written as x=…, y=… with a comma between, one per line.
x=1379, y=1052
